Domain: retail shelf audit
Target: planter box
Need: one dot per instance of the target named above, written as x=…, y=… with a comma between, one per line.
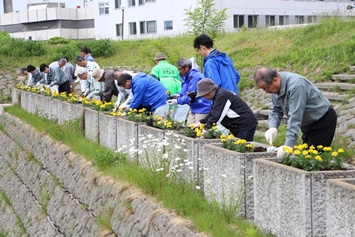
x=127, y=136
x=228, y=175
x=108, y=130
x=56, y=109
x=66, y=112
x=25, y=100
x=92, y=124
x=45, y=107
x=77, y=111
x=15, y=96
x=290, y=201
x=150, y=143
x=190, y=150
x=340, y=207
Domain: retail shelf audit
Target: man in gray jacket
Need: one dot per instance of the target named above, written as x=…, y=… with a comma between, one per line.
x=57, y=76
x=302, y=102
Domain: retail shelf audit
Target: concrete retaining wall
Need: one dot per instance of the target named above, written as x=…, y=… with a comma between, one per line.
x=57, y=193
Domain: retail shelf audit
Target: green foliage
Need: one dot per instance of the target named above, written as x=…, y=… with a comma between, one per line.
x=205, y=19
x=58, y=40
x=104, y=217
x=69, y=49
x=99, y=48
x=19, y=48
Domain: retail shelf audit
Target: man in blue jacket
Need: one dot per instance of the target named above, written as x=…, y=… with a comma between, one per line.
x=217, y=65
x=147, y=92
x=200, y=107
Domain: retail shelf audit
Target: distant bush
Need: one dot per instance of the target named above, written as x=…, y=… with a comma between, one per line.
x=69, y=50
x=99, y=48
x=58, y=40
x=20, y=47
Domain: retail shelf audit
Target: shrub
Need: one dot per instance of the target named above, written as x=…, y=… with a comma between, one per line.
x=99, y=48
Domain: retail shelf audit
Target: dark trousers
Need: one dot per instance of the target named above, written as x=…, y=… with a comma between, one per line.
x=247, y=135
x=65, y=87
x=322, y=131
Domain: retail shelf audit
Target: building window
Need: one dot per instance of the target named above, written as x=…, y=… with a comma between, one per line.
x=117, y=3
x=104, y=9
x=299, y=19
x=284, y=20
x=168, y=25
x=270, y=20
x=151, y=27
x=119, y=29
x=252, y=21
x=142, y=27
x=131, y=3
x=238, y=21
x=132, y=28
x=311, y=19
x=141, y=2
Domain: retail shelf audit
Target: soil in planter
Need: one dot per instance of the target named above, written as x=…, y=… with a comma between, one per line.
x=259, y=149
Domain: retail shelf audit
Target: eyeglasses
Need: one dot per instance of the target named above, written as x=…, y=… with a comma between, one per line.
x=180, y=69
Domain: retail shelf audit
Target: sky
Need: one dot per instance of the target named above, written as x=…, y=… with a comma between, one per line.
x=21, y=5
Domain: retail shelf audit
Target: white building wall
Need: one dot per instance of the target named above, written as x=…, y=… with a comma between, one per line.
x=165, y=10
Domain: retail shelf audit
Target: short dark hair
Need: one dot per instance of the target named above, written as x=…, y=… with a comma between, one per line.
x=265, y=75
x=30, y=68
x=84, y=50
x=79, y=58
x=204, y=40
x=121, y=80
x=42, y=67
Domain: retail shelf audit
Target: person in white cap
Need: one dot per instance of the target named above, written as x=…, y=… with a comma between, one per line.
x=106, y=77
x=227, y=109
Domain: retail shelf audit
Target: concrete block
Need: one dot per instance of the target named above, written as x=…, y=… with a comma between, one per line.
x=228, y=176
x=108, y=130
x=92, y=124
x=290, y=201
x=150, y=144
x=127, y=136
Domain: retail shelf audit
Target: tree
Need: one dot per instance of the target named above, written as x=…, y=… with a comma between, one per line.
x=205, y=19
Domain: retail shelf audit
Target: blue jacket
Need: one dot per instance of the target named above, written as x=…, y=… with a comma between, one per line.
x=219, y=67
x=148, y=92
x=189, y=84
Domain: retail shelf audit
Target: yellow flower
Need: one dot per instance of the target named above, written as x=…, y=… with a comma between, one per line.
x=297, y=152
x=315, y=152
x=223, y=140
x=192, y=125
x=334, y=153
x=230, y=136
x=327, y=149
x=288, y=149
x=319, y=147
x=214, y=128
x=312, y=147
x=340, y=150
x=202, y=126
x=304, y=152
x=249, y=145
x=308, y=156
x=159, y=123
x=223, y=136
x=318, y=158
x=240, y=142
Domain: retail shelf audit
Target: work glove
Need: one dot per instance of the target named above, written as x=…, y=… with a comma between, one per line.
x=270, y=135
x=197, y=125
x=171, y=102
x=192, y=96
x=175, y=96
x=124, y=105
x=282, y=150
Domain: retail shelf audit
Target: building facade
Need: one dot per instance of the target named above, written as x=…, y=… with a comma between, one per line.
x=136, y=19
x=44, y=21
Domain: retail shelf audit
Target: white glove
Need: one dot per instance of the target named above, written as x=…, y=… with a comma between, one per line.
x=37, y=84
x=282, y=150
x=171, y=102
x=270, y=135
x=175, y=96
x=123, y=105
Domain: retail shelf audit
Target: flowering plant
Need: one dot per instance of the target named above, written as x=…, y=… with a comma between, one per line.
x=135, y=115
x=240, y=145
x=47, y=91
x=313, y=159
x=98, y=105
x=210, y=133
x=36, y=90
x=165, y=122
x=85, y=102
x=55, y=94
x=73, y=98
x=63, y=96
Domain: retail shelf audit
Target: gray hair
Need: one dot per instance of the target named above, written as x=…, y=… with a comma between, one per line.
x=183, y=62
x=117, y=69
x=264, y=75
x=63, y=60
x=80, y=70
